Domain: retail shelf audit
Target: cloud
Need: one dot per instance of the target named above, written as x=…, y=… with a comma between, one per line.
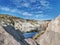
x=37, y=16
x=39, y=4
x=38, y=12
x=27, y=14
x=15, y=11
x=25, y=4
x=24, y=13
x=5, y=8
x=20, y=3
x=41, y=15
x=36, y=7
x=44, y=3
x=32, y=1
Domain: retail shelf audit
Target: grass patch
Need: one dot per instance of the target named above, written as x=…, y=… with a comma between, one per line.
x=38, y=35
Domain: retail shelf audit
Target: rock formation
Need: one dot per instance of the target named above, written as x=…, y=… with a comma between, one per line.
x=11, y=29
x=52, y=34
x=24, y=25
x=30, y=41
x=10, y=36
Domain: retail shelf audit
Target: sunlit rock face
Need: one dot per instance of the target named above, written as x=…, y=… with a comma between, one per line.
x=52, y=34
x=24, y=25
x=10, y=36
x=29, y=26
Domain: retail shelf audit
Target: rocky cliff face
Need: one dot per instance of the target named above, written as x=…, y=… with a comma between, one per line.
x=24, y=25
x=11, y=29
x=10, y=36
x=52, y=34
x=31, y=41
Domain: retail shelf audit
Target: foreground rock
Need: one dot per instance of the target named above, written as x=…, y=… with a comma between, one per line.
x=30, y=41
x=10, y=36
x=52, y=34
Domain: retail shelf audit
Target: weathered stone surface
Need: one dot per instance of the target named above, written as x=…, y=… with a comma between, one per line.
x=52, y=34
x=30, y=41
x=24, y=25
x=31, y=26
x=10, y=36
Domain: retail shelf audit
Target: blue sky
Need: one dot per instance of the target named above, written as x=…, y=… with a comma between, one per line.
x=31, y=9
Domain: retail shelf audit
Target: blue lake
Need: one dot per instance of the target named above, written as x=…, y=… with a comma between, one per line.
x=29, y=35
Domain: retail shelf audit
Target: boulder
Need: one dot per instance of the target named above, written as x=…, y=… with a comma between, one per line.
x=30, y=41
x=52, y=34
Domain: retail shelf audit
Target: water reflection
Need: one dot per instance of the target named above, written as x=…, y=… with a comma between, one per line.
x=29, y=35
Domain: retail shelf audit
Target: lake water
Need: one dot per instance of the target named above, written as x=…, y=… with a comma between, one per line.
x=29, y=35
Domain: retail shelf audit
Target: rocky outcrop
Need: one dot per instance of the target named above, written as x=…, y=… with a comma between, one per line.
x=41, y=29
x=24, y=25
x=10, y=36
x=30, y=41
x=52, y=34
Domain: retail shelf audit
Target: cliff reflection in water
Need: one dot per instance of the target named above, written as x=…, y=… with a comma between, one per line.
x=29, y=35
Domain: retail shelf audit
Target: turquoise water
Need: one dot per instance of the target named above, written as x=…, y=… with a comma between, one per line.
x=29, y=35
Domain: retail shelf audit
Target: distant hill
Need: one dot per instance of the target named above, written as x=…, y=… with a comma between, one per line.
x=25, y=25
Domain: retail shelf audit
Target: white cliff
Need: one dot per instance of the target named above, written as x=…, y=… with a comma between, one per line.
x=24, y=25
x=52, y=34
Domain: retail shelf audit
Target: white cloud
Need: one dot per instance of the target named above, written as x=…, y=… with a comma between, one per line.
x=40, y=15
x=10, y=10
x=32, y=1
x=22, y=12
x=27, y=14
x=15, y=11
x=39, y=7
x=19, y=4
x=44, y=3
x=37, y=16
x=25, y=4
x=5, y=8
x=38, y=12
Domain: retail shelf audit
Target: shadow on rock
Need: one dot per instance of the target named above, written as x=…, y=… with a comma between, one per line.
x=16, y=34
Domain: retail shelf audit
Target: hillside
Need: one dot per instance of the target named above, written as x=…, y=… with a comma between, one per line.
x=24, y=25
x=48, y=31
x=52, y=34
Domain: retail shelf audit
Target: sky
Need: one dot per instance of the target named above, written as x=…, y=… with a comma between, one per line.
x=31, y=9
